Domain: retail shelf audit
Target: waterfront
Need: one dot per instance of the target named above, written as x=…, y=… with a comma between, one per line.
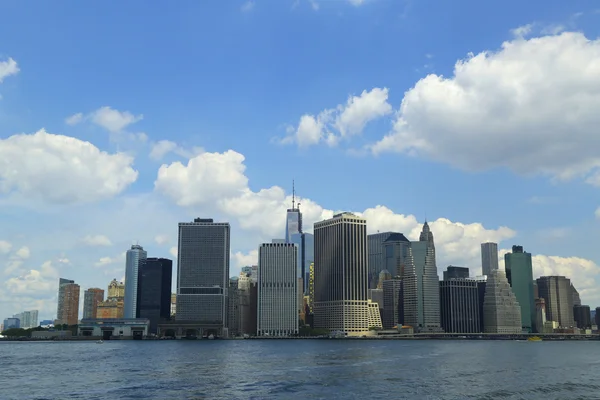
x=303, y=369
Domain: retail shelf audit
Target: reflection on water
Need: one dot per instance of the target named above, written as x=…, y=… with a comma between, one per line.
x=302, y=369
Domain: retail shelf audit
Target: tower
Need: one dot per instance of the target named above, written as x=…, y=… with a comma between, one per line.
x=134, y=257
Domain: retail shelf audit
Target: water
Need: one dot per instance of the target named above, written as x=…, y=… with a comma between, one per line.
x=299, y=369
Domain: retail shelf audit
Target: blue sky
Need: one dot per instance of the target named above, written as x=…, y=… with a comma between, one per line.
x=240, y=75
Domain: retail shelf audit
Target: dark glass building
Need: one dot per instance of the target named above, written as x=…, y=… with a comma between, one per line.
x=460, y=310
x=453, y=272
x=583, y=316
x=393, y=307
x=154, y=291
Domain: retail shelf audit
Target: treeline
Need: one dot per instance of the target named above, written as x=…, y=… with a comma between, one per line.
x=21, y=332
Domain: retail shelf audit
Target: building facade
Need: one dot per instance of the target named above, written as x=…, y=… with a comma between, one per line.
x=556, y=291
x=233, y=314
x=68, y=302
x=203, y=272
x=113, y=306
x=583, y=316
x=91, y=298
x=501, y=310
x=28, y=319
x=341, y=274
x=393, y=311
x=489, y=257
x=421, y=285
x=397, y=254
x=376, y=256
x=519, y=273
x=277, y=289
x=453, y=272
x=248, y=298
x=11, y=323
x=459, y=299
x=133, y=258
x=154, y=291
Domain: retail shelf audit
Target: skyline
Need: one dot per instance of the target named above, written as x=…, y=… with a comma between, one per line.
x=226, y=93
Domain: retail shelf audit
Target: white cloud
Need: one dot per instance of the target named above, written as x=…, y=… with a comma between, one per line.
x=74, y=119
x=345, y=120
x=5, y=247
x=61, y=169
x=163, y=147
x=173, y=251
x=240, y=259
x=357, y=2
x=598, y=212
x=553, y=29
x=105, y=261
x=8, y=68
x=97, y=240
x=23, y=253
x=161, y=239
x=522, y=31
x=34, y=282
x=247, y=6
x=532, y=106
x=113, y=120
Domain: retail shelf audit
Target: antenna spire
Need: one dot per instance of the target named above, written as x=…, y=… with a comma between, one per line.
x=293, y=195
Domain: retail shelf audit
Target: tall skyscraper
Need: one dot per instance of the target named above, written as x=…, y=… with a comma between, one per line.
x=583, y=316
x=134, y=257
x=393, y=311
x=203, y=272
x=341, y=274
x=421, y=285
x=304, y=241
x=68, y=302
x=489, y=257
x=277, y=289
x=540, y=315
x=519, y=272
x=459, y=299
x=28, y=319
x=501, y=311
x=154, y=291
x=376, y=256
x=248, y=295
x=556, y=291
x=576, y=298
x=233, y=313
x=397, y=254
x=91, y=298
x=597, y=317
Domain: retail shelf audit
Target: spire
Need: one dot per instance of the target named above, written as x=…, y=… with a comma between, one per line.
x=293, y=195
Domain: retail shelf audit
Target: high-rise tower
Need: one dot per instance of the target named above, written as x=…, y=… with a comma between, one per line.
x=91, y=298
x=489, y=257
x=203, y=273
x=519, y=272
x=556, y=291
x=134, y=257
x=68, y=302
x=304, y=241
x=341, y=275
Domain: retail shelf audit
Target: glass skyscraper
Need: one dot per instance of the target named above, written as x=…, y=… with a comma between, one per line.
x=134, y=257
x=489, y=257
x=519, y=273
x=154, y=292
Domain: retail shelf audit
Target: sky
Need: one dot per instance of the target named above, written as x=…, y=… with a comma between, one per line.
x=120, y=119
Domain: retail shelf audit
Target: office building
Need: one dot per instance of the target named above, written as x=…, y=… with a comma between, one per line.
x=28, y=319
x=304, y=241
x=173, y=305
x=203, y=273
x=501, y=310
x=233, y=314
x=68, y=302
x=113, y=306
x=11, y=323
x=556, y=291
x=376, y=297
x=540, y=315
x=421, y=285
x=481, y=285
x=154, y=291
x=376, y=256
x=489, y=257
x=453, y=272
x=374, y=315
x=133, y=258
x=576, y=298
x=341, y=274
x=311, y=287
x=459, y=299
x=597, y=317
x=397, y=253
x=519, y=273
x=393, y=311
x=582, y=316
x=384, y=275
x=277, y=289
x=248, y=298
x=91, y=298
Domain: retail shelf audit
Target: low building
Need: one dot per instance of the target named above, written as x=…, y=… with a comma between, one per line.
x=51, y=334
x=115, y=328
x=374, y=316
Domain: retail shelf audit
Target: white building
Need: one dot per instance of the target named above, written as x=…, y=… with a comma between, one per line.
x=489, y=257
x=277, y=311
x=501, y=310
x=28, y=319
x=341, y=275
x=374, y=315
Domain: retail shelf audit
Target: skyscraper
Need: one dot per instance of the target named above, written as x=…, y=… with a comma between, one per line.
x=556, y=291
x=233, y=313
x=134, y=257
x=376, y=256
x=277, y=289
x=489, y=257
x=421, y=285
x=203, y=272
x=519, y=273
x=501, y=311
x=453, y=272
x=68, y=302
x=91, y=298
x=27, y=319
x=154, y=291
x=341, y=274
x=393, y=312
x=583, y=316
x=397, y=253
x=304, y=241
x=459, y=299
x=576, y=298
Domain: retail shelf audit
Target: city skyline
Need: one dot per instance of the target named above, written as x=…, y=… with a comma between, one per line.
x=122, y=160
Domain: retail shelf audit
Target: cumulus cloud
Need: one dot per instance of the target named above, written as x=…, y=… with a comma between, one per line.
x=8, y=68
x=240, y=259
x=163, y=147
x=112, y=120
x=106, y=261
x=5, y=247
x=531, y=106
x=173, y=251
x=331, y=125
x=522, y=31
x=34, y=282
x=161, y=239
x=97, y=240
x=61, y=169
x=23, y=253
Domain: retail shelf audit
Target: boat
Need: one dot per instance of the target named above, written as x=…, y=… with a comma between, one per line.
x=211, y=336
x=100, y=342
x=534, y=339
